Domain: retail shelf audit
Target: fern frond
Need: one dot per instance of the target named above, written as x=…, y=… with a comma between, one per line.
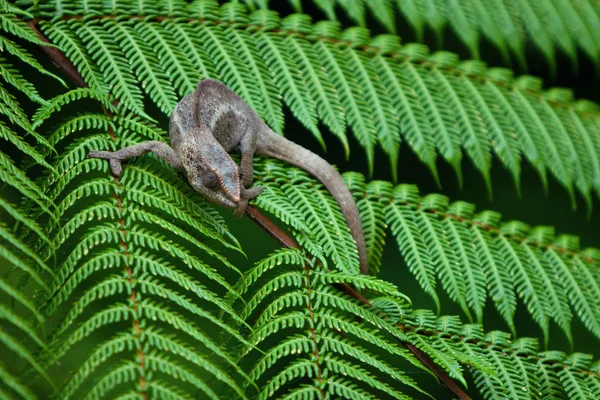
x=145, y=259
x=404, y=226
x=550, y=26
x=321, y=90
x=118, y=76
x=498, y=277
x=445, y=135
x=331, y=230
x=555, y=295
x=475, y=257
x=7, y=134
x=527, y=284
x=63, y=34
x=576, y=290
x=311, y=326
x=141, y=59
x=459, y=237
x=249, y=53
x=289, y=79
x=437, y=102
x=372, y=216
x=58, y=102
x=413, y=125
x=16, y=79
x=573, y=379
x=356, y=109
x=23, y=55
x=371, y=89
x=448, y=267
x=231, y=68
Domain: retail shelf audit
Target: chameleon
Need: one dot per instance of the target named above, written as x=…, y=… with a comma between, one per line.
x=213, y=121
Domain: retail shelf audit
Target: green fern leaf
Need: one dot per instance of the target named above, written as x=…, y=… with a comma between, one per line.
x=580, y=300
x=462, y=20
x=446, y=262
x=139, y=54
x=555, y=295
x=537, y=30
x=404, y=225
x=328, y=7
x=354, y=9
x=249, y=53
x=372, y=215
x=386, y=121
x=120, y=79
x=327, y=224
x=445, y=135
x=544, y=141
x=290, y=80
x=459, y=237
x=321, y=90
x=63, y=34
x=548, y=377
x=573, y=379
x=173, y=61
x=191, y=49
x=413, y=125
x=24, y=56
x=475, y=140
x=16, y=79
x=357, y=111
x=551, y=17
x=496, y=121
x=500, y=285
x=528, y=287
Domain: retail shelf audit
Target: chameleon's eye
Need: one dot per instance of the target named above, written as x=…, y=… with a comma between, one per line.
x=210, y=180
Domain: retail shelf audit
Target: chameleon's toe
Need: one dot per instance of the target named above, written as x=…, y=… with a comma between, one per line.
x=240, y=210
x=115, y=162
x=254, y=192
x=115, y=167
x=247, y=180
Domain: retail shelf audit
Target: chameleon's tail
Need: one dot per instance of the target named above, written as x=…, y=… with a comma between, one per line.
x=276, y=146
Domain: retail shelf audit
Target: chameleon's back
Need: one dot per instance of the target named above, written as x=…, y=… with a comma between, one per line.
x=226, y=113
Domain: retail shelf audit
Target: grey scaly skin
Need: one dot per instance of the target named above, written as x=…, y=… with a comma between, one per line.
x=213, y=121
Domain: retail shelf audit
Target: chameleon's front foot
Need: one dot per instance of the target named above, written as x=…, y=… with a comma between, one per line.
x=246, y=195
x=112, y=157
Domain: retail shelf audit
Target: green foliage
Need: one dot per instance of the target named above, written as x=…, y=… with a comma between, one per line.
x=342, y=357
x=133, y=287
x=472, y=256
x=323, y=74
x=509, y=25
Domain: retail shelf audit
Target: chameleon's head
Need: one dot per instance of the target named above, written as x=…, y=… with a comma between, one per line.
x=210, y=170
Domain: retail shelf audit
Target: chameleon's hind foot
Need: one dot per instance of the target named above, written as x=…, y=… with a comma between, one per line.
x=247, y=194
x=112, y=157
